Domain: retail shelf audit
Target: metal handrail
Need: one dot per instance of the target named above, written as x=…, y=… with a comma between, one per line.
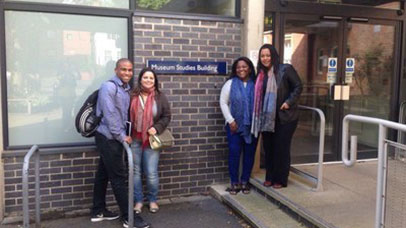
x=383, y=131
x=130, y=184
x=319, y=179
x=35, y=150
x=26, y=213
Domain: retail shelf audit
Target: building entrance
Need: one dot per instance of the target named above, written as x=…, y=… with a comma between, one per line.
x=348, y=66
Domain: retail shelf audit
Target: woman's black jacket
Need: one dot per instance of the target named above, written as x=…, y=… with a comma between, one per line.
x=289, y=89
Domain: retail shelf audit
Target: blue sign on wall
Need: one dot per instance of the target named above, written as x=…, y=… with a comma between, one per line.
x=190, y=67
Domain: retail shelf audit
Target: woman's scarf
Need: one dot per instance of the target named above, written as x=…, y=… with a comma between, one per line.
x=264, y=104
x=141, y=115
x=241, y=105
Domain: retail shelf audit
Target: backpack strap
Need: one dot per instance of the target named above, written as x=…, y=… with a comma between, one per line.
x=101, y=114
x=115, y=85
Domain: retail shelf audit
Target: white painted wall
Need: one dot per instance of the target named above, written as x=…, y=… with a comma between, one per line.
x=252, y=11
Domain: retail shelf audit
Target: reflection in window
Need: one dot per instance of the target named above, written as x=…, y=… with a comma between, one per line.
x=389, y=4
x=53, y=63
x=268, y=28
x=215, y=7
x=322, y=60
x=288, y=49
x=100, y=3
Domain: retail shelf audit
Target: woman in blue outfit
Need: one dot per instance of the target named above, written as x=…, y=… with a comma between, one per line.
x=277, y=92
x=236, y=102
x=150, y=114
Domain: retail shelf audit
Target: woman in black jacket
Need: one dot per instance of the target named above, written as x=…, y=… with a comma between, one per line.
x=277, y=91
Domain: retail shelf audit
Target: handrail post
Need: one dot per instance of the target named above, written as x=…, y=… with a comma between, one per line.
x=25, y=173
x=319, y=186
x=130, y=185
x=37, y=192
x=344, y=144
x=379, y=184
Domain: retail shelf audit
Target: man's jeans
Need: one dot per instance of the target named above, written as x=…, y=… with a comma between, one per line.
x=147, y=161
x=111, y=168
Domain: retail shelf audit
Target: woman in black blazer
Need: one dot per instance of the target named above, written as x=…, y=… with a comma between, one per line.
x=277, y=91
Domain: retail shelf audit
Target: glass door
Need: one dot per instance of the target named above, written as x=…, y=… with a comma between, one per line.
x=309, y=44
x=354, y=55
x=371, y=56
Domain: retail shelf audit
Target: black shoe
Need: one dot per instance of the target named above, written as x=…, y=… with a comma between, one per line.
x=105, y=215
x=245, y=188
x=233, y=189
x=138, y=222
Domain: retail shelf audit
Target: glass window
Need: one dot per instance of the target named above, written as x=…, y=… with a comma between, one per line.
x=216, y=7
x=101, y=3
x=389, y=4
x=54, y=61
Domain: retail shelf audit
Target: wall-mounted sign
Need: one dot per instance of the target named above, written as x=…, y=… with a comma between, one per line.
x=332, y=70
x=349, y=69
x=190, y=67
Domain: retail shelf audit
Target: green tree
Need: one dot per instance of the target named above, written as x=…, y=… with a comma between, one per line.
x=374, y=67
x=152, y=4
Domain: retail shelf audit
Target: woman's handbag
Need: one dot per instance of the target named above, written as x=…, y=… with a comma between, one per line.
x=161, y=141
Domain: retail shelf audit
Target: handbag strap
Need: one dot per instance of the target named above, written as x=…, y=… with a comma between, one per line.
x=141, y=101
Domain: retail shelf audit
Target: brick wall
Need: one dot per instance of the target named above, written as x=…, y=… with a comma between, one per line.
x=199, y=157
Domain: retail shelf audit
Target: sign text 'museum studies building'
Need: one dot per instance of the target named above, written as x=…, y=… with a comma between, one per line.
x=189, y=67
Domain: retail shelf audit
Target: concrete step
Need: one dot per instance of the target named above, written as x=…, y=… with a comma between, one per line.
x=295, y=210
x=254, y=207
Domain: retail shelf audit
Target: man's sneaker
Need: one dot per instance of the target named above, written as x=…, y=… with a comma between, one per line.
x=105, y=215
x=138, y=222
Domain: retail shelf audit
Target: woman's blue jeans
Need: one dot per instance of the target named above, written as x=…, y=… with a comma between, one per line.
x=145, y=161
x=236, y=146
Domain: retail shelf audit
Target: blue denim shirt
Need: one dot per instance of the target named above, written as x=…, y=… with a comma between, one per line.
x=113, y=103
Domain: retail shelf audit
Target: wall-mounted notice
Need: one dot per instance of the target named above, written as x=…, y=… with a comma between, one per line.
x=332, y=70
x=190, y=67
x=349, y=69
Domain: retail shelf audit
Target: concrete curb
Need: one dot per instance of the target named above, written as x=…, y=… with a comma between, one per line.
x=223, y=197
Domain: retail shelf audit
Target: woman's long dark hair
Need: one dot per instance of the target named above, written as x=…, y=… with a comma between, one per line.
x=250, y=66
x=274, y=59
x=137, y=90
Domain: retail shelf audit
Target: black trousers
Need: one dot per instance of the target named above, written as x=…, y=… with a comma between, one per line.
x=111, y=168
x=277, y=152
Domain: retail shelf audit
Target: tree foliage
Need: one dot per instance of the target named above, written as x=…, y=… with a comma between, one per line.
x=152, y=4
x=374, y=67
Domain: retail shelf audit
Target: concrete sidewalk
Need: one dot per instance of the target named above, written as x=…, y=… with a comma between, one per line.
x=348, y=199
x=196, y=212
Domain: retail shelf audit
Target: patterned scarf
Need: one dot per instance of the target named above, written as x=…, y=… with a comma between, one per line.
x=141, y=115
x=264, y=104
x=241, y=105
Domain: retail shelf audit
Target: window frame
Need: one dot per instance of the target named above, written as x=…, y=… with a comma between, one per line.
x=57, y=9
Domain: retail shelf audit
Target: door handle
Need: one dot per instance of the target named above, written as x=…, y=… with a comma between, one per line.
x=341, y=92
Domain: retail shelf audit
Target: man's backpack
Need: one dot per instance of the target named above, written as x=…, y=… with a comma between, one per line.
x=87, y=121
